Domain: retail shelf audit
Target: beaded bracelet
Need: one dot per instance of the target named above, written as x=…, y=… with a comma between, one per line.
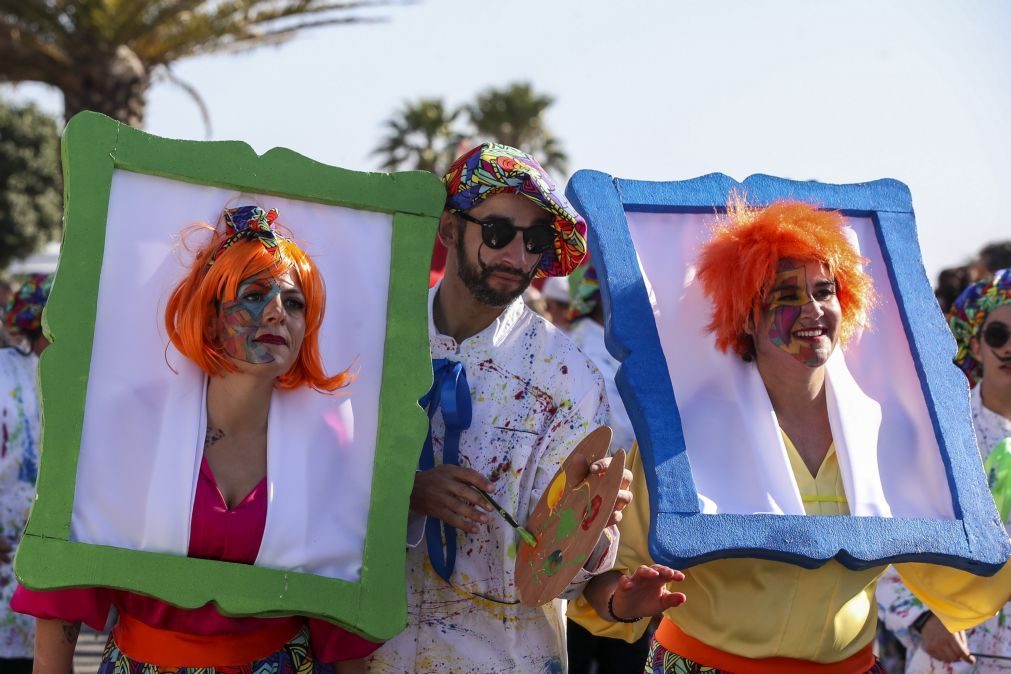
x=610, y=610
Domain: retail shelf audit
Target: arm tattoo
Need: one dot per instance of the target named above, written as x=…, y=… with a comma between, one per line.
x=71, y=631
x=212, y=436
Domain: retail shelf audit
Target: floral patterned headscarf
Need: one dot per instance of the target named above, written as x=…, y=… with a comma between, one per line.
x=585, y=294
x=968, y=314
x=24, y=308
x=491, y=169
x=248, y=222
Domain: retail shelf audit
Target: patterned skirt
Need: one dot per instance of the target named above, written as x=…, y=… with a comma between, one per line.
x=295, y=657
x=662, y=661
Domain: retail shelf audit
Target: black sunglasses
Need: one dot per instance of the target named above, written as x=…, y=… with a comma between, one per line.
x=498, y=232
x=996, y=335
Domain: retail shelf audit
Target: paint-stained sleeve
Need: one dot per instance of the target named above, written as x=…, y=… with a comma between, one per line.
x=602, y=558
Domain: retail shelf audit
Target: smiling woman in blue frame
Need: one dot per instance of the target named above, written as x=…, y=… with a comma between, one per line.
x=759, y=615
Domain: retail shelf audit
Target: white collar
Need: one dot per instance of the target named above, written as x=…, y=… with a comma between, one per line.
x=496, y=333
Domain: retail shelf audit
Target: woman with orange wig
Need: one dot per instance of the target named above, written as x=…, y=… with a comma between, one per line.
x=787, y=289
x=248, y=313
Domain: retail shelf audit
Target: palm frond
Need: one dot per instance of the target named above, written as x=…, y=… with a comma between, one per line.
x=23, y=57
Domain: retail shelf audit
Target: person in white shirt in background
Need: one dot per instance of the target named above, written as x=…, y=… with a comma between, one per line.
x=512, y=398
x=980, y=320
x=556, y=297
x=586, y=321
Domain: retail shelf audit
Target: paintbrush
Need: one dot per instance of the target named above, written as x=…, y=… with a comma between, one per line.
x=527, y=537
x=994, y=657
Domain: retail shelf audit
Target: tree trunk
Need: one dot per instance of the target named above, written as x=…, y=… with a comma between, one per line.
x=114, y=85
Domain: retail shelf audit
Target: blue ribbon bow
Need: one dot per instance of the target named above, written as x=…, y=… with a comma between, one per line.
x=450, y=393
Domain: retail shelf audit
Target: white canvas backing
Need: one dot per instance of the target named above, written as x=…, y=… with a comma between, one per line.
x=738, y=460
x=144, y=425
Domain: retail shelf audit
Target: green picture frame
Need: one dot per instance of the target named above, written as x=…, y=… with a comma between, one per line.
x=94, y=146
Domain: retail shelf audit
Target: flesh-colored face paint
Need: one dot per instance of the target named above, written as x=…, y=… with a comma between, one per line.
x=801, y=313
x=255, y=323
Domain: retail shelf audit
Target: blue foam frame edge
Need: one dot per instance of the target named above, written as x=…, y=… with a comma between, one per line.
x=680, y=536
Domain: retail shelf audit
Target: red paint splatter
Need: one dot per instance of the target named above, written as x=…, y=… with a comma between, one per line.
x=500, y=470
x=590, y=513
x=545, y=401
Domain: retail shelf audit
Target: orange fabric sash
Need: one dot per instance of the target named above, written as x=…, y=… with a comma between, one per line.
x=165, y=648
x=674, y=640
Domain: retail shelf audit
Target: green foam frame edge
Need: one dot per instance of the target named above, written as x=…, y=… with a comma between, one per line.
x=375, y=607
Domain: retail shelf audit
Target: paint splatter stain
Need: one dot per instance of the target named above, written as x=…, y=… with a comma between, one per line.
x=590, y=513
x=500, y=470
x=566, y=524
x=553, y=563
x=555, y=491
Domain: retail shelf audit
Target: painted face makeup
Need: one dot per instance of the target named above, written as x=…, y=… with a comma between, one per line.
x=802, y=312
x=248, y=332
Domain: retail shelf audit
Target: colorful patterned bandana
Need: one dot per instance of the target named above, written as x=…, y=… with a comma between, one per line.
x=585, y=295
x=491, y=169
x=24, y=308
x=248, y=222
x=969, y=312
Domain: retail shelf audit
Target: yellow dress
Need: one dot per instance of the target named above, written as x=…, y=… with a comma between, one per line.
x=758, y=608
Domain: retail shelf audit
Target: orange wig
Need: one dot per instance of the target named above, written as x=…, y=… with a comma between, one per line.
x=738, y=265
x=191, y=316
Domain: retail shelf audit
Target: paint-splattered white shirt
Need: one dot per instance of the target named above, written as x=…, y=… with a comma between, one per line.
x=899, y=608
x=535, y=396
x=19, y=460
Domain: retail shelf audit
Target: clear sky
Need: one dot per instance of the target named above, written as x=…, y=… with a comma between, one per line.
x=846, y=91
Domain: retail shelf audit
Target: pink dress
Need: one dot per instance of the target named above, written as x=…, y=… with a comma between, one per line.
x=216, y=533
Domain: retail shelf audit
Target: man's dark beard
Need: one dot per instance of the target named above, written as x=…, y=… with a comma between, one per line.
x=475, y=278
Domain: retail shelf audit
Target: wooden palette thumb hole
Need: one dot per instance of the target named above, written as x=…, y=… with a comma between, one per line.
x=568, y=520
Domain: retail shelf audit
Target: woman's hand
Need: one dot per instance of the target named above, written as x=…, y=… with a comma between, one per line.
x=942, y=645
x=55, y=641
x=447, y=492
x=645, y=593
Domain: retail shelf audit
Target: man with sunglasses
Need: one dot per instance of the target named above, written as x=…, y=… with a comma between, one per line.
x=980, y=320
x=512, y=398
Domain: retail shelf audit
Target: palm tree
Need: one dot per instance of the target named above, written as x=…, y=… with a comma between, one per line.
x=102, y=54
x=421, y=136
x=515, y=116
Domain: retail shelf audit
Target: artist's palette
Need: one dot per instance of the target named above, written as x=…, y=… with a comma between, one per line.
x=568, y=520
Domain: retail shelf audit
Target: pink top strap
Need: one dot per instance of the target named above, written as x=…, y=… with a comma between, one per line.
x=215, y=533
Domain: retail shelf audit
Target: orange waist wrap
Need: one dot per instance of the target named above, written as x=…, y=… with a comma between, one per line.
x=674, y=640
x=166, y=648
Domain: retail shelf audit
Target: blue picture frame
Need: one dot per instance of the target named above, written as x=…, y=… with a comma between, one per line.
x=680, y=536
